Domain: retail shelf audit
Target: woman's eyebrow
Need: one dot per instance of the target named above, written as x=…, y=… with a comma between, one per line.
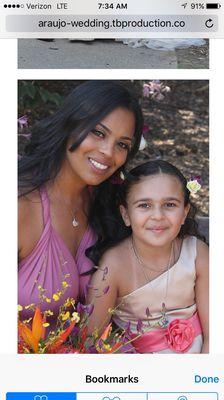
x=104, y=127
x=110, y=131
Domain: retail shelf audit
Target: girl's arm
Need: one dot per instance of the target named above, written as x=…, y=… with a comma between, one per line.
x=102, y=293
x=202, y=291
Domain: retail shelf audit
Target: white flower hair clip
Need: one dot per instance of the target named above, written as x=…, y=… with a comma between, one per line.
x=122, y=176
x=194, y=184
x=143, y=143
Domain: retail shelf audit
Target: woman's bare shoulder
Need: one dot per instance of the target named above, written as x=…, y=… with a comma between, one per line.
x=27, y=204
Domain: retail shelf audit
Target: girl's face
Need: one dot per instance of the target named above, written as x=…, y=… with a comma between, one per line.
x=104, y=150
x=155, y=209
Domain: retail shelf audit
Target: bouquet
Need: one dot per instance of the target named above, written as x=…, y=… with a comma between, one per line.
x=69, y=334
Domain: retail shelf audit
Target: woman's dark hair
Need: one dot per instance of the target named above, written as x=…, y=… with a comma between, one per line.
x=111, y=229
x=87, y=105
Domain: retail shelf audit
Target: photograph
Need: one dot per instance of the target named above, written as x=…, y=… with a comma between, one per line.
x=113, y=53
x=113, y=216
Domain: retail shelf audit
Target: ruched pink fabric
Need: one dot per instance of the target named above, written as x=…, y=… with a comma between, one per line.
x=50, y=263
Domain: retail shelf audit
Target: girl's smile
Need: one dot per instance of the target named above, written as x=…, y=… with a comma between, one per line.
x=157, y=229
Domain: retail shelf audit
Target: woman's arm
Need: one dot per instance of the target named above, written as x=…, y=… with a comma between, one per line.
x=202, y=291
x=23, y=221
x=30, y=223
x=103, y=293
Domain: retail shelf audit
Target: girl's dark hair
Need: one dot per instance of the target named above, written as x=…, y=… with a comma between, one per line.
x=87, y=105
x=111, y=229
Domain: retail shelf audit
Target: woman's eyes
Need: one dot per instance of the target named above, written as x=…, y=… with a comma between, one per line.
x=124, y=146
x=101, y=135
x=98, y=133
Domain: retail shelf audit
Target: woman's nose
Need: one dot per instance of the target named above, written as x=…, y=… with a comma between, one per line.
x=107, y=149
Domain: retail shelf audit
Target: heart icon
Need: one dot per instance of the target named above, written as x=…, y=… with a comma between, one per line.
x=110, y=398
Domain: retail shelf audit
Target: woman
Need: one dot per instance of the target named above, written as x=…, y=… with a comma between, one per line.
x=82, y=145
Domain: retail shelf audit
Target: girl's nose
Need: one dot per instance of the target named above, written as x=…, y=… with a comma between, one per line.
x=157, y=213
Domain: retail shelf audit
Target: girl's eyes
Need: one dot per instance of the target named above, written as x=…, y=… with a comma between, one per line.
x=144, y=205
x=100, y=134
x=165, y=205
x=170, y=205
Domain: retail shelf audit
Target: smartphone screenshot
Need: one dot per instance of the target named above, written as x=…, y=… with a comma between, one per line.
x=111, y=171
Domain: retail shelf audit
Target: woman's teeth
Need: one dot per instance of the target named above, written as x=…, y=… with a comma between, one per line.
x=97, y=164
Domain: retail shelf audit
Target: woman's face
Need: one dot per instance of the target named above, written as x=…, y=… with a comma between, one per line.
x=104, y=150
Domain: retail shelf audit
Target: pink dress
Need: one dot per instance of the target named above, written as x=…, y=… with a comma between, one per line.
x=43, y=271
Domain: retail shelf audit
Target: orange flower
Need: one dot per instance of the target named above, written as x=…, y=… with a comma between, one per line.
x=106, y=332
x=32, y=336
x=60, y=339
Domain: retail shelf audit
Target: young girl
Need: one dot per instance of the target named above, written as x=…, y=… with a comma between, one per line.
x=154, y=277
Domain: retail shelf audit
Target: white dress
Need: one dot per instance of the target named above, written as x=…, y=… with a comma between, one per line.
x=180, y=301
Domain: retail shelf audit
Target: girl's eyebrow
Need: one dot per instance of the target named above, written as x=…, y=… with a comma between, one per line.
x=164, y=199
x=109, y=131
x=140, y=200
x=172, y=199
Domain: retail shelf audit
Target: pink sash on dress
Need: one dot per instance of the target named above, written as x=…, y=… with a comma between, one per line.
x=178, y=336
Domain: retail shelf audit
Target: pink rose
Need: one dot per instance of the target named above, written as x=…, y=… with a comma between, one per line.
x=180, y=335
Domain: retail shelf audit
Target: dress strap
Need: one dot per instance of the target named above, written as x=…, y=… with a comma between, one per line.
x=45, y=205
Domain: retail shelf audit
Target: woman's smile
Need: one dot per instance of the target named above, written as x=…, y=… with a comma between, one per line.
x=98, y=166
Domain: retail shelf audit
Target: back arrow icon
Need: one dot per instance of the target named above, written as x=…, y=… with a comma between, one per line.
x=209, y=23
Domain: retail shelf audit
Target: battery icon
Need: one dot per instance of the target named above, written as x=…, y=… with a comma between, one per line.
x=213, y=6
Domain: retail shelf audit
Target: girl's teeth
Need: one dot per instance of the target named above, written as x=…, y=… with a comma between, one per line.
x=97, y=164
